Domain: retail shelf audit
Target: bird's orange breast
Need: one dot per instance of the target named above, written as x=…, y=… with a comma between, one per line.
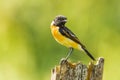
x=63, y=39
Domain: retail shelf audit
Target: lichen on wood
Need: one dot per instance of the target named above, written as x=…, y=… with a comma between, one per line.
x=78, y=71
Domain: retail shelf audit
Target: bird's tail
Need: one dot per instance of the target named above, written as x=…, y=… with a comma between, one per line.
x=88, y=53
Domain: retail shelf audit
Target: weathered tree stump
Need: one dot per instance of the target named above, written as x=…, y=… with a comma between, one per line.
x=78, y=71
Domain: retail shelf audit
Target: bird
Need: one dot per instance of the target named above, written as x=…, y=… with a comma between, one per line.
x=66, y=37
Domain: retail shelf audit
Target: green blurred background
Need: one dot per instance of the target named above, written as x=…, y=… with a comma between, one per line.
x=28, y=50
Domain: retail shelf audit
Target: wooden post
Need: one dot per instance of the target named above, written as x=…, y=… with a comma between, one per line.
x=78, y=71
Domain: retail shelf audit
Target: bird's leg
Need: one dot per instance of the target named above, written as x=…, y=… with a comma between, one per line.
x=69, y=53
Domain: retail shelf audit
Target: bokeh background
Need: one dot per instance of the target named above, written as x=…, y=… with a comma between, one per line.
x=28, y=50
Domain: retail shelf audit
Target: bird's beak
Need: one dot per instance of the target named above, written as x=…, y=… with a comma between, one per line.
x=65, y=21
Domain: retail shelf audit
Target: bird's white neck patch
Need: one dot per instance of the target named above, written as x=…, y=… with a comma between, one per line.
x=52, y=23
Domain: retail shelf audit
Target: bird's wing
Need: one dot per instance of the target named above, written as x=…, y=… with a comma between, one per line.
x=69, y=34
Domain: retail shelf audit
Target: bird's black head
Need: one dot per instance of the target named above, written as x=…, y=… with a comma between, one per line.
x=59, y=20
